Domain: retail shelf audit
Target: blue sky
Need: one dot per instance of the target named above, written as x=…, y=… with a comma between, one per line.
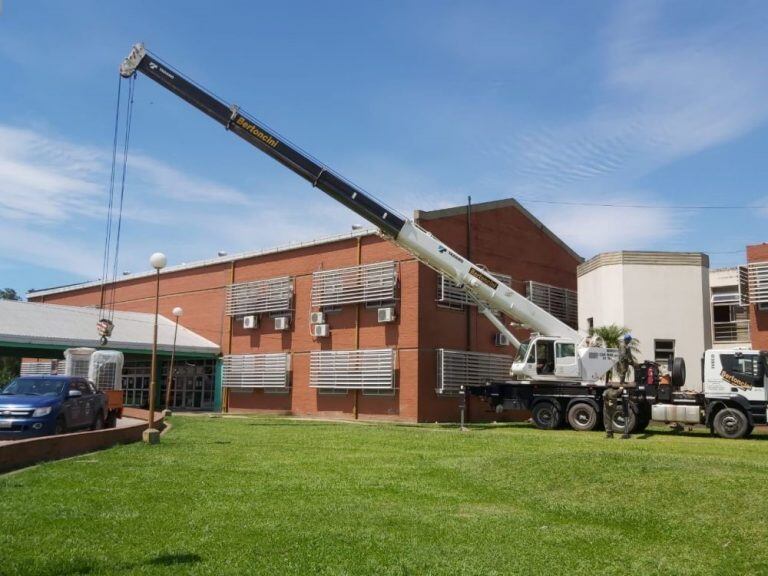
x=420, y=103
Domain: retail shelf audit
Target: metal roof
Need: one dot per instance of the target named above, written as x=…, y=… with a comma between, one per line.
x=209, y=262
x=34, y=324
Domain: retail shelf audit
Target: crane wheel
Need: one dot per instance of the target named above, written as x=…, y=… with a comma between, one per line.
x=546, y=416
x=582, y=416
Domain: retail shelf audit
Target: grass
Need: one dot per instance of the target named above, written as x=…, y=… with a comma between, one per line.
x=279, y=496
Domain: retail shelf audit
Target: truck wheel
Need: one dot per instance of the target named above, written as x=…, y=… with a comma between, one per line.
x=546, y=416
x=98, y=422
x=582, y=416
x=678, y=372
x=111, y=421
x=618, y=421
x=731, y=423
x=61, y=426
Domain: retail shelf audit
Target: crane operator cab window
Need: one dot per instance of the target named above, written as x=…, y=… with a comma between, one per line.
x=545, y=357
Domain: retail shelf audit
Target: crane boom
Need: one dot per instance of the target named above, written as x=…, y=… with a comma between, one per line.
x=482, y=286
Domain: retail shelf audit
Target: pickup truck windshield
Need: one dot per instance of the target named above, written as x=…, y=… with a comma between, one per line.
x=34, y=387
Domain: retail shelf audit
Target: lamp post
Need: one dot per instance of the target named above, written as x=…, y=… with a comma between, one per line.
x=151, y=435
x=177, y=312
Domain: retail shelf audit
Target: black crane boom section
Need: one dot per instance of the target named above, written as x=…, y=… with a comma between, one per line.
x=251, y=131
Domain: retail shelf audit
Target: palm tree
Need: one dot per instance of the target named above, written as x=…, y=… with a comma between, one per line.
x=611, y=336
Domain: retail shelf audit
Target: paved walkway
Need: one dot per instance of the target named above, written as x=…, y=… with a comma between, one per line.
x=121, y=423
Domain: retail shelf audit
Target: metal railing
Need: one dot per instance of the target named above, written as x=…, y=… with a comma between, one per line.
x=256, y=370
x=560, y=302
x=365, y=283
x=353, y=369
x=457, y=368
x=451, y=295
x=735, y=331
x=270, y=295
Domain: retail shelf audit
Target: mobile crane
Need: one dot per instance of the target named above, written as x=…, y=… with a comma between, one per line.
x=556, y=372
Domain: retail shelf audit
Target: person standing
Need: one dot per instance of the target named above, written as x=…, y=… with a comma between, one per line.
x=626, y=359
x=611, y=399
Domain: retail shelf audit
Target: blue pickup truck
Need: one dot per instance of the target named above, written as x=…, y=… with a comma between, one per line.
x=41, y=405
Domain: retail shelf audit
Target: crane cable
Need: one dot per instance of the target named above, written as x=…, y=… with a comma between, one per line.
x=111, y=256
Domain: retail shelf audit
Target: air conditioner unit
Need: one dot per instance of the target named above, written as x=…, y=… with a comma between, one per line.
x=250, y=322
x=386, y=315
x=320, y=330
x=282, y=322
x=501, y=340
x=317, y=318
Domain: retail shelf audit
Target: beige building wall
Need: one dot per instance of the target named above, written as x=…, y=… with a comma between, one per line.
x=657, y=295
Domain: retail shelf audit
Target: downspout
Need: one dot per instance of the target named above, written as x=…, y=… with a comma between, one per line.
x=355, y=408
x=225, y=399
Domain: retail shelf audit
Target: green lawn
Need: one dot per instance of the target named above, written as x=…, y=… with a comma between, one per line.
x=280, y=496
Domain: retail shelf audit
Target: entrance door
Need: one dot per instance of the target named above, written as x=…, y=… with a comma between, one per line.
x=566, y=365
x=193, y=384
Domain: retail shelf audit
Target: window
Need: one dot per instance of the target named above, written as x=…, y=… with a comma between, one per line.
x=270, y=295
x=758, y=283
x=566, y=350
x=453, y=297
x=332, y=391
x=82, y=387
x=562, y=303
x=256, y=370
x=457, y=368
x=376, y=392
x=352, y=369
x=663, y=351
x=365, y=283
x=744, y=367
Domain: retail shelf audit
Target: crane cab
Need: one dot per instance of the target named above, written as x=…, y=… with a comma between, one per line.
x=546, y=358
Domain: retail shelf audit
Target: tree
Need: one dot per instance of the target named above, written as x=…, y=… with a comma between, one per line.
x=611, y=336
x=9, y=365
x=9, y=294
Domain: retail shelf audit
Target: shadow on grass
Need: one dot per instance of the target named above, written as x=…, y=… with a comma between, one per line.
x=175, y=559
x=78, y=566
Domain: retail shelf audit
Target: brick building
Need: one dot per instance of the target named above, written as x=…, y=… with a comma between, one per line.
x=258, y=308
x=757, y=266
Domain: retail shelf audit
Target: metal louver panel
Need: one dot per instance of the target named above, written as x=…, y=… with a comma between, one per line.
x=256, y=370
x=457, y=368
x=758, y=282
x=365, y=283
x=270, y=295
x=353, y=369
x=39, y=368
x=560, y=302
x=448, y=292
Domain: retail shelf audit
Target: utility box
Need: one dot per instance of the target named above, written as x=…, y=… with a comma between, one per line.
x=386, y=315
x=320, y=330
x=282, y=323
x=317, y=318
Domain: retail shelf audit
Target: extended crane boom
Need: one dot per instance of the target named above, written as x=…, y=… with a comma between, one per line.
x=483, y=287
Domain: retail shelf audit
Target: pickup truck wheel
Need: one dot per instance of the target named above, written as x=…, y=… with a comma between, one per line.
x=582, y=417
x=546, y=416
x=111, y=421
x=98, y=422
x=731, y=423
x=61, y=426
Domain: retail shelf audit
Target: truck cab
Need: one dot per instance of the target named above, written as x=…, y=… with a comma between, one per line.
x=738, y=376
x=547, y=358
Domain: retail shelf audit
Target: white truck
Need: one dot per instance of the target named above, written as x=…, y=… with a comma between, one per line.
x=556, y=374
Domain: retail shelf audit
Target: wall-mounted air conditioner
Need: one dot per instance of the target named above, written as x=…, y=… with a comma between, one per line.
x=501, y=339
x=386, y=315
x=320, y=330
x=250, y=322
x=282, y=323
x=317, y=318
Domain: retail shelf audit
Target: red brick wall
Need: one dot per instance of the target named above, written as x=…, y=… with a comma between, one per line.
x=503, y=239
x=758, y=319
